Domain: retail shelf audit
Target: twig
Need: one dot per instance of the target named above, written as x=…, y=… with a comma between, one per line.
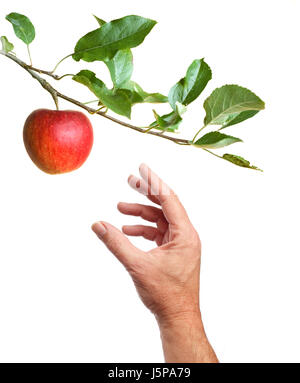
x=56, y=94
x=41, y=71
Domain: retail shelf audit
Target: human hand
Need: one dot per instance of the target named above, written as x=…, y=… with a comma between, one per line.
x=166, y=277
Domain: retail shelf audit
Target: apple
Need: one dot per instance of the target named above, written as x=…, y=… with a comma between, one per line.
x=58, y=141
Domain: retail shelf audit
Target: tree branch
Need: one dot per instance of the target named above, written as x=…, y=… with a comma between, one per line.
x=56, y=94
x=41, y=71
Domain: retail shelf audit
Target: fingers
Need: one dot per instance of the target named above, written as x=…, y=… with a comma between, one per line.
x=117, y=243
x=156, y=186
x=142, y=187
x=172, y=208
x=148, y=232
x=149, y=213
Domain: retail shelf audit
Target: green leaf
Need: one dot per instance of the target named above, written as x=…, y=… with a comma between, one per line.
x=120, y=67
x=138, y=95
x=239, y=117
x=239, y=161
x=214, y=140
x=230, y=105
x=180, y=108
x=176, y=94
x=116, y=100
x=6, y=45
x=197, y=77
x=103, y=43
x=100, y=21
x=155, y=98
x=191, y=86
x=169, y=122
x=23, y=27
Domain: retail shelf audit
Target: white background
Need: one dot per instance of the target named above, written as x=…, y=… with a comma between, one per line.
x=63, y=296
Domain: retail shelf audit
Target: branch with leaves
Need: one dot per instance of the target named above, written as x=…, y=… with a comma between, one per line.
x=112, y=43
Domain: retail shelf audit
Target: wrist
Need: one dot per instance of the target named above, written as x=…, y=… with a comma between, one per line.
x=184, y=339
x=181, y=322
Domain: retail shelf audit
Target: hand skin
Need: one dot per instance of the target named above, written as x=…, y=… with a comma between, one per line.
x=166, y=277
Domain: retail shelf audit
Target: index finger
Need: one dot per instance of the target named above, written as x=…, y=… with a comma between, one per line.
x=172, y=208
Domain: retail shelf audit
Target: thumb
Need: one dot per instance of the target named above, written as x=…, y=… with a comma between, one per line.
x=117, y=243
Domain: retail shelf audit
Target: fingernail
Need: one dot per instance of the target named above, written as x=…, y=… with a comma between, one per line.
x=99, y=229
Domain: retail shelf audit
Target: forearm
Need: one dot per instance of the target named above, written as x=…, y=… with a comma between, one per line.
x=184, y=340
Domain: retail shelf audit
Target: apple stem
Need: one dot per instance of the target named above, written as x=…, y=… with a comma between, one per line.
x=56, y=94
x=55, y=98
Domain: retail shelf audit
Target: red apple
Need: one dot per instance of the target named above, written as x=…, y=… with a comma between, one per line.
x=58, y=141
